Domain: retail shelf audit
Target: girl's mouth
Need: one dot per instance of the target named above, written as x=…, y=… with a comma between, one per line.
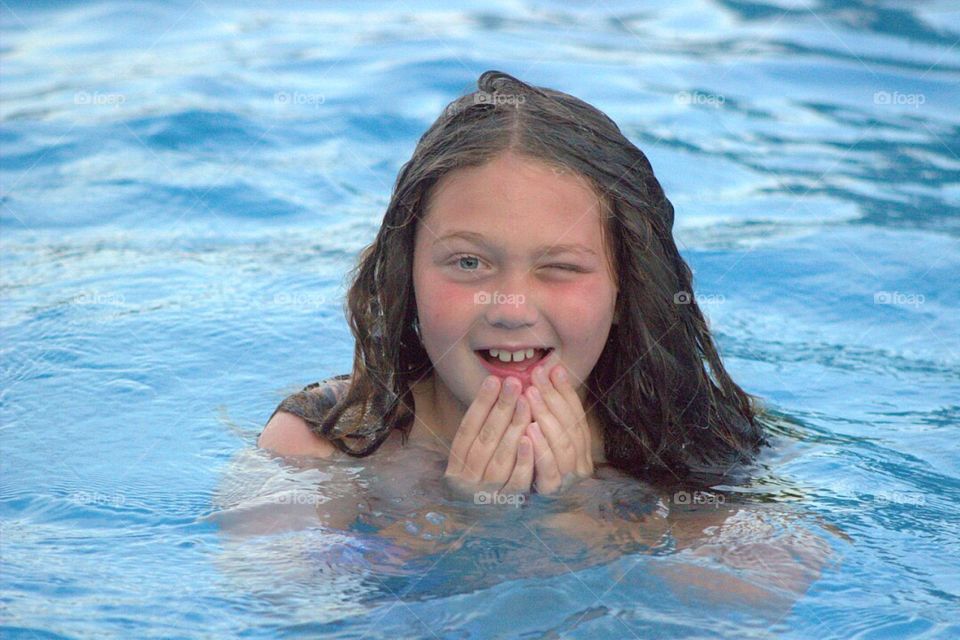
x=500, y=368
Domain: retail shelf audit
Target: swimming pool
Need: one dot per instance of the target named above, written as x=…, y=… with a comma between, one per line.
x=185, y=185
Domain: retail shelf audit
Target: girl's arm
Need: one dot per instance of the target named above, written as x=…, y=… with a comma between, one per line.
x=259, y=497
x=756, y=555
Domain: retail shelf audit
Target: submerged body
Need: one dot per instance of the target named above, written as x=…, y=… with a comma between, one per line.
x=394, y=505
x=397, y=494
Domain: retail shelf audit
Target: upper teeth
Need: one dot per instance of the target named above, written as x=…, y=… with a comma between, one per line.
x=515, y=356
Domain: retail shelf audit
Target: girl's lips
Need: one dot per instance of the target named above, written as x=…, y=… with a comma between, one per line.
x=524, y=375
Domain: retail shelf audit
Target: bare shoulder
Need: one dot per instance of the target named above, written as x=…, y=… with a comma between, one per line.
x=289, y=432
x=290, y=435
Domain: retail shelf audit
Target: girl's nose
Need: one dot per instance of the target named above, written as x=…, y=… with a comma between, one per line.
x=509, y=310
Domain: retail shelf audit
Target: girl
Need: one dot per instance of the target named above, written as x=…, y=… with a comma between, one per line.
x=525, y=311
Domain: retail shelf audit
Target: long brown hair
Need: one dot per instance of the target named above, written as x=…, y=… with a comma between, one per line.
x=664, y=400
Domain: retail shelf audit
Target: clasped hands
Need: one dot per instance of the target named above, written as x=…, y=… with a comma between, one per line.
x=510, y=442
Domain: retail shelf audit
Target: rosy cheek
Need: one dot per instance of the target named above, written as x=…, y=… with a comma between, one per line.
x=582, y=297
x=446, y=304
x=579, y=308
x=439, y=292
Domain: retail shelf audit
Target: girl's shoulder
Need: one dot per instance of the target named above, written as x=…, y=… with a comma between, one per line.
x=294, y=426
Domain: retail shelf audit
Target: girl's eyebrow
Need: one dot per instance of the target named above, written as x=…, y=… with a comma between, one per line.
x=547, y=249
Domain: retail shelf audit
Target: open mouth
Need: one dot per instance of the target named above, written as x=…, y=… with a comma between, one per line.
x=528, y=361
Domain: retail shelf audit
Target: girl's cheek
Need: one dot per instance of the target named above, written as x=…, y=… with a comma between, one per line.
x=445, y=301
x=584, y=300
x=441, y=291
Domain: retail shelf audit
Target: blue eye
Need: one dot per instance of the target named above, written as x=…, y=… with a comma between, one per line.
x=475, y=260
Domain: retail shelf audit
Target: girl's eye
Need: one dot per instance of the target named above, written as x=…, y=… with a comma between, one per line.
x=469, y=262
x=472, y=260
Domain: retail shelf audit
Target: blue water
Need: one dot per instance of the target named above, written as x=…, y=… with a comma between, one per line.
x=185, y=184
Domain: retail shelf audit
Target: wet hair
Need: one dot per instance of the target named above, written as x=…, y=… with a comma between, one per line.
x=666, y=405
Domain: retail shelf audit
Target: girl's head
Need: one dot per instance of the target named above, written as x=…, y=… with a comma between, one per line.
x=526, y=218
x=511, y=255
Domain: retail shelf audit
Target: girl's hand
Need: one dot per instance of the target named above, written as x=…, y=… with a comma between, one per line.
x=490, y=451
x=560, y=435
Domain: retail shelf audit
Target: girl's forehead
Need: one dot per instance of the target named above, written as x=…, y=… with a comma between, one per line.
x=524, y=196
x=516, y=229
x=509, y=175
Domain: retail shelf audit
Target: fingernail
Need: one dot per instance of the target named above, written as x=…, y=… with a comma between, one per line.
x=534, y=394
x=524, y=447
x=561, y=375
x=538, y=375
x=490, y=383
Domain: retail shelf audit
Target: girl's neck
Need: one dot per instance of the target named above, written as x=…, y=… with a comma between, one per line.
x=436, y=418
x=438, y=415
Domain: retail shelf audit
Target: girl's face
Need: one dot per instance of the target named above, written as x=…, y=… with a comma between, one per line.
x=510, y=254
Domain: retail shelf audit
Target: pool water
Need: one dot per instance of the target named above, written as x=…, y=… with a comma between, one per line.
x=185, y=185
